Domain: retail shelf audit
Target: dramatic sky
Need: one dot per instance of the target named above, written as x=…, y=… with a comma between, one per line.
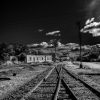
x=28, y=22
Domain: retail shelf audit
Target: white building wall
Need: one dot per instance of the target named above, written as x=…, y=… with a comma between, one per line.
x=48, y=58
x=29, y=59
x=43, y=58
x=39, y=58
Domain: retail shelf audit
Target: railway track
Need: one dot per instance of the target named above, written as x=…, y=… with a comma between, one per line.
x=18, y=93
x=57, y=84
x=81, y=89
x=53, y=88
x=65, y=93
x=46, y=89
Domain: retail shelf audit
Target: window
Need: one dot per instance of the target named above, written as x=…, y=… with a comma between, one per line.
x=30, y=58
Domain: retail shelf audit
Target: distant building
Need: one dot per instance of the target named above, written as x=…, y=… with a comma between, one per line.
x=38, y=58
x=14, y=59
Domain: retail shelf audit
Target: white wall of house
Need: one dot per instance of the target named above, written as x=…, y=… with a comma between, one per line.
x=39, y=58
x=48, y=58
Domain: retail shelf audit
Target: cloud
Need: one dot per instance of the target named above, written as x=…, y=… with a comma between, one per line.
x=55, y=33
x=40, y=30
x=92, y=27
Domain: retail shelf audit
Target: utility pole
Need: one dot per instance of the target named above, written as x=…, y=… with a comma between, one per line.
x=80, y=42
x=55, y=46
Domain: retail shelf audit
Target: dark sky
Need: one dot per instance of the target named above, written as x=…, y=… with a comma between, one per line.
x=21, y=21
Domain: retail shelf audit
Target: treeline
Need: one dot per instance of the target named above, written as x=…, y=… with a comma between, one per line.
x=93, y=55
x=19, y=50
x=15, y=49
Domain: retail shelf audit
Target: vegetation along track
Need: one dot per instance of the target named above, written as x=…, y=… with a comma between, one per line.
x=81, y=89
x=58, y=84
x=18, y=93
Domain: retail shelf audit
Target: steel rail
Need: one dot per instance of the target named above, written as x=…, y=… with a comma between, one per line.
x=57, y=90
x=44, y=79
x=58, y=83
x=92, y=89
x=72, y=95
x=47, y=87
x=25, y=86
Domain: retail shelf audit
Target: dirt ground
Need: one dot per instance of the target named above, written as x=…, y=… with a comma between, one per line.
x=15, y=76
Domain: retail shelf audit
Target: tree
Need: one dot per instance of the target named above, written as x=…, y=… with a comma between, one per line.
x=3, y=51
x=22, y=57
